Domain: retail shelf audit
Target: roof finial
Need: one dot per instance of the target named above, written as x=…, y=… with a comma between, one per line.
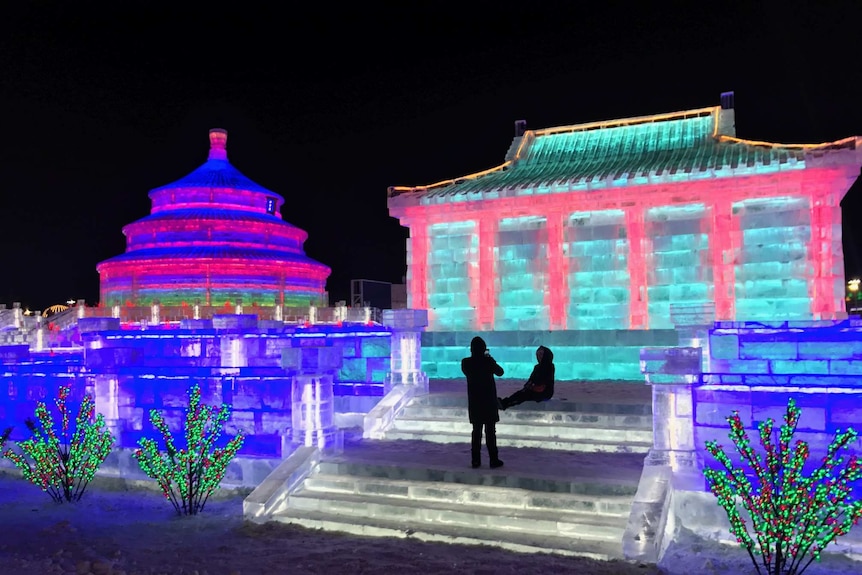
x=218, y=144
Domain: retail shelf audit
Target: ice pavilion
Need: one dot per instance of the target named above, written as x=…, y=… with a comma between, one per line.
x=215, y=237
x=603, y=226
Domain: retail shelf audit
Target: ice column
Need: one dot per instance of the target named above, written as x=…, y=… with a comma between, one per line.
x=672, y=372
x=692, y=322
x=40, y=332
x=17, y=315
x=406, y=348
x=672, y=463
x=637, y=268
x=313, y=365
x=106, y=395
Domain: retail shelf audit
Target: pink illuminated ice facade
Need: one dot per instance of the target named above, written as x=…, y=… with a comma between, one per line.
x=603, y=226
x=214, y=237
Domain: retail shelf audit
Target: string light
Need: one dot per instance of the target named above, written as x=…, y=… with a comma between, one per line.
x=63, y=464
x=187, y=476
x=792, y=516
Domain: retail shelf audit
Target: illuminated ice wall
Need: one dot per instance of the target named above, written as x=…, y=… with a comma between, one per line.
x=603, y=226
x=215, y=237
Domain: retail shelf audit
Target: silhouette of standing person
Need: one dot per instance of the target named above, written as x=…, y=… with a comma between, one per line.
x=480, y=369
x=540, y=385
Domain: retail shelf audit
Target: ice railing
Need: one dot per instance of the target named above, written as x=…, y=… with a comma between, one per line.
x=163, y=314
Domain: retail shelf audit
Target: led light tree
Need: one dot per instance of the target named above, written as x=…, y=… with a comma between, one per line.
x=793, y=517
x=188, y=476
x=63, y=462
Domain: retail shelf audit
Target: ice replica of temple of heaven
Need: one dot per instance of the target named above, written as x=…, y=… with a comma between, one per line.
x=587, y=236
x=213, y=237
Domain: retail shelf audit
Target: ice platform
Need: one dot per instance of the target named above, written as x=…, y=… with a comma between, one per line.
x=566, y=497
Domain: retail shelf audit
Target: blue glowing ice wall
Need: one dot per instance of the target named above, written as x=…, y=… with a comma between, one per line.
x=754, y=368
x=235, y=359
x=604, y=226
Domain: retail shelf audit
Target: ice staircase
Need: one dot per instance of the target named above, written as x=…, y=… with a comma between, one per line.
x=554, y=424
x=571, y=473
x=526, y=506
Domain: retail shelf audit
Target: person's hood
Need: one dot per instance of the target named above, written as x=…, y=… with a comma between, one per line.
x=477, y=346
x=547, y=355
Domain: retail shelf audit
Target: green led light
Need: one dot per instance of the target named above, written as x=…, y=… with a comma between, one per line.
x=793, y=517
x=60, y=461
x=188, y=476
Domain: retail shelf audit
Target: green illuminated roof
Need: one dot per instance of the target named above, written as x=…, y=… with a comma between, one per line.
x=681, y=146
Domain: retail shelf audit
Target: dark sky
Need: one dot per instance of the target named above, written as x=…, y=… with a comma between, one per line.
x=329, y=105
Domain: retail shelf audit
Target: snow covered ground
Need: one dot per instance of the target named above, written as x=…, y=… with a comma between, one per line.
x=128, y=528
x=121, y=529
x=117, y=529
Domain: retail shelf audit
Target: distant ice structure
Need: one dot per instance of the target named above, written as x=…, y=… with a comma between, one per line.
x=214, y=238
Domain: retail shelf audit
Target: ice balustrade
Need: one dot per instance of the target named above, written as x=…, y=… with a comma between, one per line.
x=405, y=379
x=311, y=393
x=753, y=368
x=157, y=313
x=236, y=358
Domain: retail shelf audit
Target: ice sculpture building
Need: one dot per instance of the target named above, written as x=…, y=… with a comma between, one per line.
x=605, y=225
x=215, y=237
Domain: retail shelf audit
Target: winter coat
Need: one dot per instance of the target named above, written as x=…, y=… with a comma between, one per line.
x=480, y=370
x=541, y=380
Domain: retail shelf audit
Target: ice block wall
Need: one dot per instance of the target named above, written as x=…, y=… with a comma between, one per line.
x=452, y=267
x=755, y=368
x=603, y=354
x=521, y=272
x=774, y=265
x=677, y=260
x=597, y=251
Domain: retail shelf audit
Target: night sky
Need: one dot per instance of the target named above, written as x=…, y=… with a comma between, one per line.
x=328, y=106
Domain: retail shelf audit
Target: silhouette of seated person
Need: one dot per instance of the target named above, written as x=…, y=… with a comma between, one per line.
x=540, y=385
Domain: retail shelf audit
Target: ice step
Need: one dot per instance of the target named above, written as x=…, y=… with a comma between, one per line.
x=503, y=439
x=532, y=416
x=579, y=525
x=527, y=430
x=599, y=486
x=512, y=541
x=481, y=495
x=459, y=400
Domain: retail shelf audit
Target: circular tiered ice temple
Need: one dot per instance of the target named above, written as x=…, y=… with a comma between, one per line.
x=213, y=237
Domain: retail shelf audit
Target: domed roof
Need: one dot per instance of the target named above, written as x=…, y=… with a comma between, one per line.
x=217, y=171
